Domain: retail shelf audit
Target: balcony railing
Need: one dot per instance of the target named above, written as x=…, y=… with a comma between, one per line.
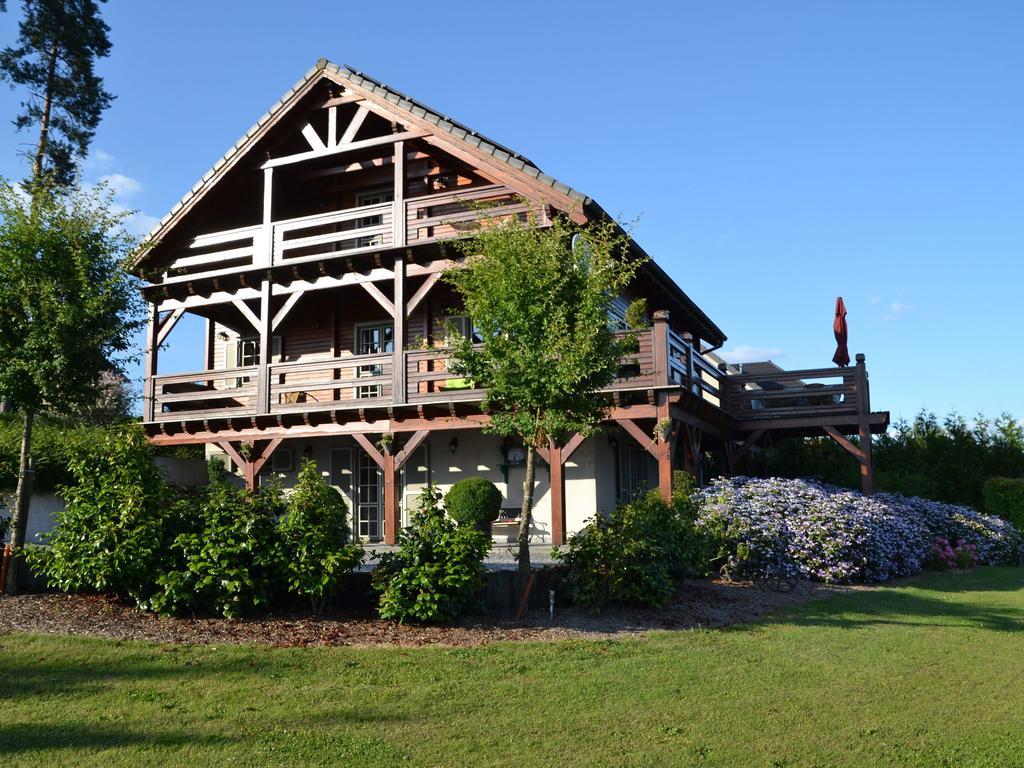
x=662, y=359
x=347, y=232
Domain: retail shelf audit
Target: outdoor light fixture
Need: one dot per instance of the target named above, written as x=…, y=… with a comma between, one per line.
x=308, y=451
x=453, y=445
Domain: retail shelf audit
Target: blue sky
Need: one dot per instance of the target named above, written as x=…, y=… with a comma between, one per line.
x=778, y=154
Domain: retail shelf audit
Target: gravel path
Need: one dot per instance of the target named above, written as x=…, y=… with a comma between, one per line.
x=697, y=604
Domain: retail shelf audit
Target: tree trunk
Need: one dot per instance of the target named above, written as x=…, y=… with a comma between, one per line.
x=525, y=518
x=44, y=120
x=19, y=524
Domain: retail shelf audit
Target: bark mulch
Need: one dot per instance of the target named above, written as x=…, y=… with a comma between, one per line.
x=699, y=603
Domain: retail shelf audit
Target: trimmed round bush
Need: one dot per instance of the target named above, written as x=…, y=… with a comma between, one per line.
x=473, y=502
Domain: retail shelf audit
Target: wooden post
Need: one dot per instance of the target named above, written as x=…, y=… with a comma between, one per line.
x=660, y=342
x=398, y=372
x=266, y=349
x=264, y=255
x=664, y=447
x=398, y=215
x=867, y=471
x=152, y=352
x=392, y=521
x=688, y=338
x=557, y=474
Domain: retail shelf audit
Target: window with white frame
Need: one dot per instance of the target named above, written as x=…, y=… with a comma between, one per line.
x=372, y=197
x=462, y=325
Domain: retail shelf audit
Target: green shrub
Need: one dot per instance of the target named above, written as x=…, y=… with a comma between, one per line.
x=639, y=553
x=1004, y=496
x=473, y=502
x=315, y=538
x=118, y=520
x=232, y=564
x=54, y=447
x=438, y=570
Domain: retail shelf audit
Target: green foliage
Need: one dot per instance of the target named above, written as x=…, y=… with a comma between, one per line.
x=118, y=521
x=947, y=460
x=541, y=306
x=54, y=447
x=636, y=314
x=438, y=570
x=58, y=44
x=315, y=538
x=1004, y=496
x=473, y=502
x=232, y=563
x=70, y=310
x=639, y=553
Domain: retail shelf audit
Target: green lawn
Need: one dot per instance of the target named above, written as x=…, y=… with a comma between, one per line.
x=925, y=675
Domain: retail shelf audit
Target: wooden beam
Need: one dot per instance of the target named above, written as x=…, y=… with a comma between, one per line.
x=398, y=227
x=370, y=448
x=315, y=142
x=349, y=147
x=266, y=349
x=392, y=511
x=752, y=438
x=556, y=466
x=332, y=126
x=230, y=450
x=168, y=323
x=665, y=445
x=852, y=449
x=399, y=391
x=383, y=300
x=266, y=453
x=570, y=447
x=645, y=440
x=353, y=127
x=413, y=443
x=152, y=353
x=422, y=292
x=282, y=313
x=247, y=313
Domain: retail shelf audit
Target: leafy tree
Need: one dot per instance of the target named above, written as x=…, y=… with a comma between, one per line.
x=315, y=538
x=68, y=307
x=540, y=297
x=58, y=44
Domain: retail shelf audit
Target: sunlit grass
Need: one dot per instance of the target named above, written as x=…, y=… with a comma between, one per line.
x=926, y=674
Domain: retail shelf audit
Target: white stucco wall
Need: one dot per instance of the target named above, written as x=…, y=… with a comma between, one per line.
x=589, y=474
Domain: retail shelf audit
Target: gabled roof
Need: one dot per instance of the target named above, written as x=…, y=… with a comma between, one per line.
x=475, y=141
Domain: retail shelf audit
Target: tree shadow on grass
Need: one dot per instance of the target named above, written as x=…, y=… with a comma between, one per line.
x=908, y=608
x=25, y=737
x=1004, y=578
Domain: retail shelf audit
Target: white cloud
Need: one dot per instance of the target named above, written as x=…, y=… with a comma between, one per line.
x=897, y=310
x=99, y=161
x=748, y=354
x=875, y=300
x=122, y=186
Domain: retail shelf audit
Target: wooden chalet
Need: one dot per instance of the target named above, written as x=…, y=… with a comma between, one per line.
x=313, y=250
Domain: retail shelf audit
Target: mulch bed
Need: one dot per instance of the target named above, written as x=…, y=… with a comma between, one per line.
x=699, y=603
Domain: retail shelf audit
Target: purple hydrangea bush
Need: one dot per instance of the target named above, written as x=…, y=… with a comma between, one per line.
x=786, y=527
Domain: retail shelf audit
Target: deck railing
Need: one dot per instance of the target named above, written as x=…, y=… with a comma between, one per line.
x=362, y=381
x=347, y=232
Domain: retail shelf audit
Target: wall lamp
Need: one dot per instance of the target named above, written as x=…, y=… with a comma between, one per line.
x=453, y=445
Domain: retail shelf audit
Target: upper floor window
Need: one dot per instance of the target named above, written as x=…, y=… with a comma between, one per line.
x=462, y=325
x=372, y=197
x=375, y=338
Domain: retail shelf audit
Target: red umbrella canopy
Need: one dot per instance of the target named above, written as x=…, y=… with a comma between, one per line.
x=842, y=355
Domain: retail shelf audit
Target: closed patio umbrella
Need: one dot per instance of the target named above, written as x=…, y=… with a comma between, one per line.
x=842, y=355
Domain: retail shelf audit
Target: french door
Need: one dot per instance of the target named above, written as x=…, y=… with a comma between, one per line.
x=369, y=506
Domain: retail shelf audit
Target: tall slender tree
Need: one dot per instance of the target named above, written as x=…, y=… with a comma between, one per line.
x=54, y=59
x=540, y=298
x=46, y=292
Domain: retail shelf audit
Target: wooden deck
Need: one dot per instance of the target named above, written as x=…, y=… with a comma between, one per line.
x=792, y=401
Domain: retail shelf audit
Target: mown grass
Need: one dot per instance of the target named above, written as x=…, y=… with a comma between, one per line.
x=926, y=674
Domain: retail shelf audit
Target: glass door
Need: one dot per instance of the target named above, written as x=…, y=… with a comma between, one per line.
x=369, y=499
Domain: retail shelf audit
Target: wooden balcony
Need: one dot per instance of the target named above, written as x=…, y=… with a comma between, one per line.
x=663, y=361
x=348, y=232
